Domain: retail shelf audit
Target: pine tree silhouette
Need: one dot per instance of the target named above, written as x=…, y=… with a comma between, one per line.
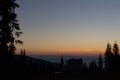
x=85, y=67
x=115, y=49
x=62, y=63
x=100, y=63
x=108, y=57
x=93, y=66
x=9, y=27
x=9, y=32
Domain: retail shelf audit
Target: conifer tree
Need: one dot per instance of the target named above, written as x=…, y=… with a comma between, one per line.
x=9, y=27
x=93, y=66
x=85, y=67
x=61, y=63
x=108, y=57
x=115, y=49
x=100, y=62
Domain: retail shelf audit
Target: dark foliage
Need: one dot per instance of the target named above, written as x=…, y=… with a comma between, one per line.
x=115, y=49
x=85, y=67
x=62, y=63
x=100, y=63
x=93, y=66
x=108, y=57
x=9, y=27
x=112, y=58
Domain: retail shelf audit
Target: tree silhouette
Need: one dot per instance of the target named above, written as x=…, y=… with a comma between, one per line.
x=93, y=66
x=100, y=63
x=108, y=57
x=62, y=63
x=9, y=32
x=9, y=27
x=22, y=57
x=22, y=63
x=115, y=49
x=116, y=57
x=11, y=49
x=85, y=67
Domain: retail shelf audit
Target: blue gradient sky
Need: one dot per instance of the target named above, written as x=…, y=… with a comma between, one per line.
x=63, y=26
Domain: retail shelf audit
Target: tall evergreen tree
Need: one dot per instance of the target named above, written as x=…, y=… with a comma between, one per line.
x=108, y=57
x=62, y=63
x=116, y=58
x=93, y=66
x=100, y=62
x=9, y=27
x=85, y=67
x=115, y=49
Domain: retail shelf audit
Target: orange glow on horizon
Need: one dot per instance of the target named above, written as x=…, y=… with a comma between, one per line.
x=66, y=52
x=70, y=50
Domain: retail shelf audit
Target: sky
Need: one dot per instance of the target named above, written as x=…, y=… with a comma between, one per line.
x=69, y=27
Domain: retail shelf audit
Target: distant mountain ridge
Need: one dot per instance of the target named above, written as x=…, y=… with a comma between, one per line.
x=34, y=65
x=29, y=59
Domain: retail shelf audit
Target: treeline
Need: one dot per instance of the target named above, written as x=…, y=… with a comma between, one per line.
x=25, y=65
x=110, y=61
